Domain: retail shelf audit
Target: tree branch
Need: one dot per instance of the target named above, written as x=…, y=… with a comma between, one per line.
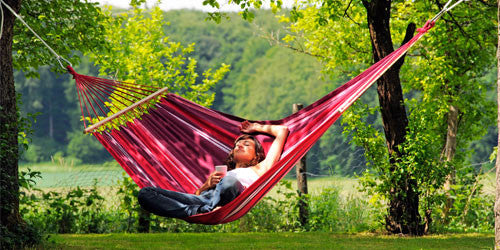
x=274, y=40
x=410, y=30
x=347, y=15
x=346, y=9
x=454, y=21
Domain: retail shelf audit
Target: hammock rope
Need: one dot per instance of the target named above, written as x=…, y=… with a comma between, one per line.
x=99, y=98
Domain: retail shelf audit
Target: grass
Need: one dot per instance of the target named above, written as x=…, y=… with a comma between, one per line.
x=313, y=240
x=61, y=174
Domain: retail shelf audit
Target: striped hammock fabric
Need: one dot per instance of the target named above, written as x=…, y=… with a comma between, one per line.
x=176, y=143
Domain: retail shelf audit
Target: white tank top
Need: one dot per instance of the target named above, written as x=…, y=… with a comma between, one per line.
x=246, y=176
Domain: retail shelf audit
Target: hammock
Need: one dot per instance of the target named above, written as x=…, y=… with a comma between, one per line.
x=176, y=143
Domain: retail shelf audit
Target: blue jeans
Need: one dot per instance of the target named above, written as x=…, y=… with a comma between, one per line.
x=181, y=205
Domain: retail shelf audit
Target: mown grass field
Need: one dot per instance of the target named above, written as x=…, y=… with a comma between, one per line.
x=55, y=175
x=61, y=177
x=312, y=240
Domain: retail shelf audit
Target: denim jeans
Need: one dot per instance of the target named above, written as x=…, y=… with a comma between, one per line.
x=180, y=205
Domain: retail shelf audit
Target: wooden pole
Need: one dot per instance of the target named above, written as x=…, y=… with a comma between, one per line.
x=300, y=169
x=497, y=164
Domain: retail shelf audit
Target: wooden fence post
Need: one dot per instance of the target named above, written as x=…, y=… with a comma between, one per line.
x=300, y=169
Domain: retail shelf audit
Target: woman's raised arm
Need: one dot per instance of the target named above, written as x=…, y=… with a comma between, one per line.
x=280, y=133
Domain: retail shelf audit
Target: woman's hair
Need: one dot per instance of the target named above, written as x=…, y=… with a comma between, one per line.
x=260, y=155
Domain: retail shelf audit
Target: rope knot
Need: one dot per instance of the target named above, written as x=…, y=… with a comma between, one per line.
x=428, y=25
x=71, y=71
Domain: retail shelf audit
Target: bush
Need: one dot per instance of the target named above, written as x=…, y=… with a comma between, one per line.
x=82, y=211
x=33, y=154
x=41, y=149
x=331, y=213
x=86, y=148
x=76, y=211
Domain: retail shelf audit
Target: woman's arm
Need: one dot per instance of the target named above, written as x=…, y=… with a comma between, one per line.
x=280, y=133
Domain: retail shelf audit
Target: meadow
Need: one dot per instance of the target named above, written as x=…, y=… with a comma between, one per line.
x=60, y=177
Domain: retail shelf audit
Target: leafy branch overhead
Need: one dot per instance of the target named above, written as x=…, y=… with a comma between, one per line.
x=245, y=5
x=66, y=27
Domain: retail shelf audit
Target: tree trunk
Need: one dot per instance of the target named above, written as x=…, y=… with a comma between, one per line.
x=403, y=215
x=51, y=121
x=144, y=221
x=448, y=155
x=497, y=164
x=10, y=219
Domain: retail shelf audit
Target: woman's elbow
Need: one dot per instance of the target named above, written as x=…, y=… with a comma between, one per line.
x=284, y=130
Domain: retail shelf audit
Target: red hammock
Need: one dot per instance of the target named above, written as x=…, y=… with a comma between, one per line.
x=177, y=143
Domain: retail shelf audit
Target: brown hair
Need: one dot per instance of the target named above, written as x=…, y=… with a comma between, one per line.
x=260, y=154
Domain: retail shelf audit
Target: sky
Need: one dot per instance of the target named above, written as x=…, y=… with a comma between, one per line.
x=183, y=4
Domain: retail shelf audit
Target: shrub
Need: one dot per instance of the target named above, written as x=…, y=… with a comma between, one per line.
x=41, y=149
x=75, y=211
x=86, y=148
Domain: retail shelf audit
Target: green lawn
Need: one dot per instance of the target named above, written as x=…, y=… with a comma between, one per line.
x=313, y=240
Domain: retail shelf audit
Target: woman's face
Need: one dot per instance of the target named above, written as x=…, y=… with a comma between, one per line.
x=244, y=151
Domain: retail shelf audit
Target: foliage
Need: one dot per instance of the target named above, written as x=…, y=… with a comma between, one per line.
x=86, y=148
x=257, y=92
x=42, y=96
x=138, y=51
x=128, y=192
x=76, y=211
x=82, y=210
x=25, y=126
x=66, y=25
x=56, y=20
x=41, y=150
x=471, y=211
x=24, y=235
x=245, y=5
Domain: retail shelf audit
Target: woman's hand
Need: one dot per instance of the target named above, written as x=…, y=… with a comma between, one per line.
x=249, y=127
x=214, y=178
x=211, y=182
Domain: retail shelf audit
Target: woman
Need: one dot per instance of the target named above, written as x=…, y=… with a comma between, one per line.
x=246, y=162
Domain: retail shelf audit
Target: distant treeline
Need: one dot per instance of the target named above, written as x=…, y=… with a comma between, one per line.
x=264, y=81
